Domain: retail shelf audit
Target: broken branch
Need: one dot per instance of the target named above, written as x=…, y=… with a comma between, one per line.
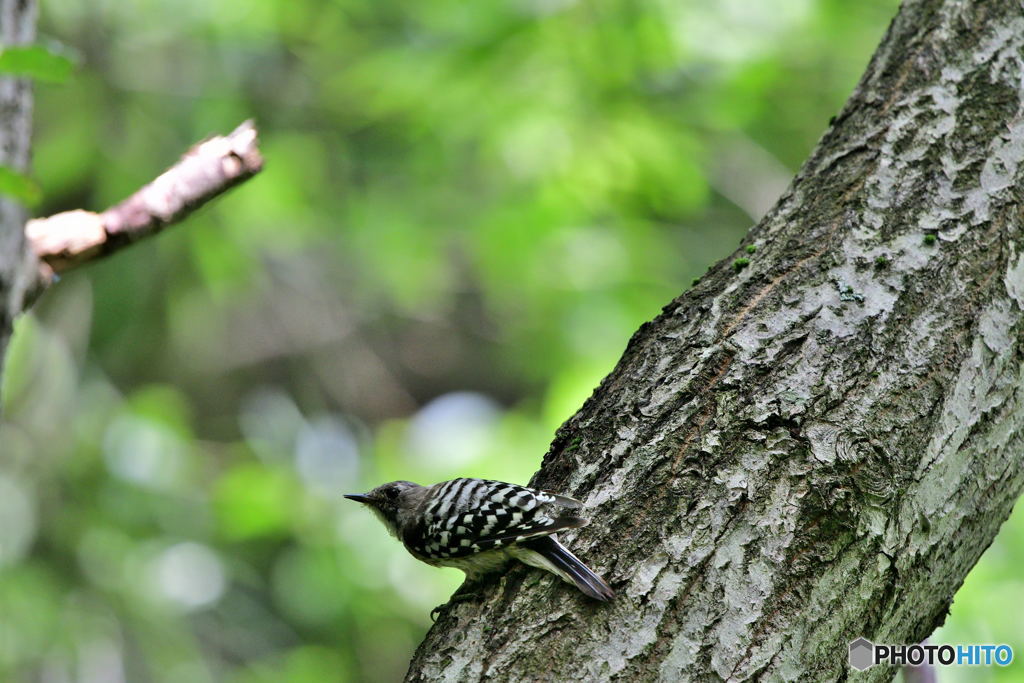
x=213, y=166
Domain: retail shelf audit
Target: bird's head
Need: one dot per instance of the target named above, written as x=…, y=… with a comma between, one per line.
x=391, y=502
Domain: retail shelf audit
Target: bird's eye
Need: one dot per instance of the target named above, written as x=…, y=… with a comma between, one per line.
x=391, y=493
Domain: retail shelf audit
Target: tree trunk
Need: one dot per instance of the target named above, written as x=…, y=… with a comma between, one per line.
x=32, y=253
x=18, y=271
x=817, y=446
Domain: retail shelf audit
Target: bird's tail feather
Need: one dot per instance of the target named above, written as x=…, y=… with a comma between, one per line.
x=568, y=566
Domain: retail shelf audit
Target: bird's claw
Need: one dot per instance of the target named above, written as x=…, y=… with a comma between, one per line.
x=454, y=600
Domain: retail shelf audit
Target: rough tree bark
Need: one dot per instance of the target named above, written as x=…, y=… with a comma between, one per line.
x=818, y=446
x=17, y=276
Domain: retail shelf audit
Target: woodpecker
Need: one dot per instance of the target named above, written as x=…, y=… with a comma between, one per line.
x=479, y=525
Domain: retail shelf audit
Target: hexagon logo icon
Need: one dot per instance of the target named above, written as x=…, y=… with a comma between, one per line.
x=862, y=654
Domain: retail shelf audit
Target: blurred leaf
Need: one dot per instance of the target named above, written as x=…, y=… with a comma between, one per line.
x=38, y=388
x=252, y=501
x=164, y=405
x=314, y=665
x=306, y=585
x=19, y=186
x=30, y=598
x=309, y=664
x=36, y=61
x=17, y=375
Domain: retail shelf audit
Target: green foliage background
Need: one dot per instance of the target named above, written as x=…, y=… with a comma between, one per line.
x=467, y=210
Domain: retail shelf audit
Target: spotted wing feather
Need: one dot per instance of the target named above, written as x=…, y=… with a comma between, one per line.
x=467, y=516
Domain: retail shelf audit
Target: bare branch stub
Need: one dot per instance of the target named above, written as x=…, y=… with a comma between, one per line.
x=211, y=167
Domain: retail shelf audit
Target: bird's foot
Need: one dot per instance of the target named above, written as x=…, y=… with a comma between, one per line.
x=454, y=600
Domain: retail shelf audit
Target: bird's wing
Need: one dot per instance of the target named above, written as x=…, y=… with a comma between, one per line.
x=467, y=516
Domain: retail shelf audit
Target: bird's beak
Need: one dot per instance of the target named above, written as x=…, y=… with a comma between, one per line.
x=358, y=497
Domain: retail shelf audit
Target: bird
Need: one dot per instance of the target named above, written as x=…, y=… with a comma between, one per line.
x=480, y=525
